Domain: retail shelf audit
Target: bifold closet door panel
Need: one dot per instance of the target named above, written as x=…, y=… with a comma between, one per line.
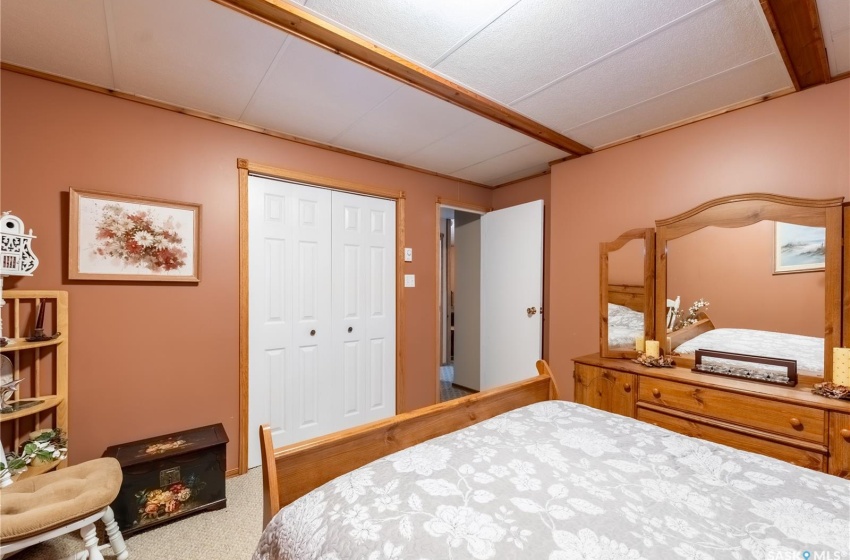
x=363, y=307
x=290, y=356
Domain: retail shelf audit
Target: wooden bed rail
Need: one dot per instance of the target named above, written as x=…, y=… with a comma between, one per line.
x=291, y=471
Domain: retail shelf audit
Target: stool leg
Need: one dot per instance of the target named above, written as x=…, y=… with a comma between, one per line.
x=116, y=539
x=89, y=534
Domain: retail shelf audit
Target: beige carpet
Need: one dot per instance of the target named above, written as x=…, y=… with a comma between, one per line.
x=228, y=534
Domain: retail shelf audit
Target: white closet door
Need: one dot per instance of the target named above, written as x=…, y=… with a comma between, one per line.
x=321, y=262
x=363, y=301
x=290, y=358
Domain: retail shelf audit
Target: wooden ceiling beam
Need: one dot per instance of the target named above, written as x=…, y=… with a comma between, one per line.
x=796, y=28
x=295, y=20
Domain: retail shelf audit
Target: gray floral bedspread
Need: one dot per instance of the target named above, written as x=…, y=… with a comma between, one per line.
x=562, y=481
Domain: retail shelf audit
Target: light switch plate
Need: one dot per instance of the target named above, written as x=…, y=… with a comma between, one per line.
x=409, y=280
x=408, y=254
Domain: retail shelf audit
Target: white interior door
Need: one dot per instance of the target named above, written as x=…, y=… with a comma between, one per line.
x=289, y=309
x=320, y=263
x=363, y=304
x=511, y=284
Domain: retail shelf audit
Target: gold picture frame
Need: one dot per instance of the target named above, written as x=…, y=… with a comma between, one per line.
x=122, y=237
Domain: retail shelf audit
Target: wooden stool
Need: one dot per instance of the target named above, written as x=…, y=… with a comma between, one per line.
x=49, y=505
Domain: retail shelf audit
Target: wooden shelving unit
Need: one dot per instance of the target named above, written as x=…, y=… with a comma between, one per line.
x=43, y=364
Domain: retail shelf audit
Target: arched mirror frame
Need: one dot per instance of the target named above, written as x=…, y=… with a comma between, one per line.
x=746, y=209
x=647, y=235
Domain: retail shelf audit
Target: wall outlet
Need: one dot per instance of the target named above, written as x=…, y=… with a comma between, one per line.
x=408, y=254
x=409, y=280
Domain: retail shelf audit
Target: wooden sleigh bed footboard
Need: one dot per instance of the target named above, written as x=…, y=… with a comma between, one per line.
x=291, y=471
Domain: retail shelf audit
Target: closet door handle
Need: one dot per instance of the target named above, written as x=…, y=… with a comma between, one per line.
x=350, y=329
x=313, y=332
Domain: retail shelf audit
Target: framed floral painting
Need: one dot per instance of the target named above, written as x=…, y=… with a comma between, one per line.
x=126, y=237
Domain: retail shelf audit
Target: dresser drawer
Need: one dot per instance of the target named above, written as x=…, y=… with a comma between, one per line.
x=693, y=427
x=791, y=420
x=839, y=444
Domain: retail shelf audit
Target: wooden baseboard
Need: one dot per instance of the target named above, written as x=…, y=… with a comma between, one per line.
x=231, y=473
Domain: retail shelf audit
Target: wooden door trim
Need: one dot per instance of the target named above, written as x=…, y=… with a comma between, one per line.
x=245, y=169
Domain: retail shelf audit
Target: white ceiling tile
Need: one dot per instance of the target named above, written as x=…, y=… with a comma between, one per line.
x=481, y=140
x=313, y=93
x=423, y=30
x=539, y=41
x=742, y=84
x=710, y=42
x=835, y=24
x=404, y=123
x=63, y=38
x=529, y=159
x=191, y=53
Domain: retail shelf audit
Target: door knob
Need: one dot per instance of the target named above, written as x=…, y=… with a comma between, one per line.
x=313, y=332
x=350, y=329
x=531, y=311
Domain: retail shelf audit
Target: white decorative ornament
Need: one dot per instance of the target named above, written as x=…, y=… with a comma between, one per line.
x=15, y=252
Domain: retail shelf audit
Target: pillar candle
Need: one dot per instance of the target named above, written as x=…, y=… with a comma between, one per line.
x=639, y=343
x=653, y=348
x=841, y=366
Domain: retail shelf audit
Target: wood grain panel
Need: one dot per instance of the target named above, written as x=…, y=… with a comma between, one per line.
x=782, y=418
x=613, y=391
x=839, y=444
x=795, y=25
x=728, y=435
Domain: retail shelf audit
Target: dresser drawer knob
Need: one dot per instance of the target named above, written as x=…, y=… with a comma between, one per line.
x=627, y=387
x=796, y=424
x=845, y=433
x=656, y=393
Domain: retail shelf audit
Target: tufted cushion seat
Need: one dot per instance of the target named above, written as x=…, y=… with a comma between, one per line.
x=47, y=501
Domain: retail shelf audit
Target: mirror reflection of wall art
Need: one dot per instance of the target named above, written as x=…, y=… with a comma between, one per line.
x=126, y=237
x=799, y=248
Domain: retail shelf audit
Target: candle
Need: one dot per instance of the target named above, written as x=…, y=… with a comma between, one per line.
x=39, y=322
x=639, y=343
x=841, y=366
x=653, y=348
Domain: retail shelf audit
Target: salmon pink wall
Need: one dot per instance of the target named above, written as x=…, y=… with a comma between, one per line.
x=796, y=145
x=537, y=188
x=152, y=358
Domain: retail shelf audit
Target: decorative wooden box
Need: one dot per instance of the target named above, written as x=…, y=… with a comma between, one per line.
x=167, y=477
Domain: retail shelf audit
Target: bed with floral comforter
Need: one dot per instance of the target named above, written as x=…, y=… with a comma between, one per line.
x=558, y=481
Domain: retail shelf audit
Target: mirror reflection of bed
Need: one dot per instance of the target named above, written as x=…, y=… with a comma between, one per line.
x=752, y=310
x=625, y=295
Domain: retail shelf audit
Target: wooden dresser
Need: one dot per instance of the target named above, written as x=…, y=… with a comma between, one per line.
x=788, y=423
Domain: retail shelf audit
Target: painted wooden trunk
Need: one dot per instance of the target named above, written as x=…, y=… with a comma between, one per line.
x=168, y=477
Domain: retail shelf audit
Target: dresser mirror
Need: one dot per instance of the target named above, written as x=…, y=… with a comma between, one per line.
x=756, y=260
x=626, y=292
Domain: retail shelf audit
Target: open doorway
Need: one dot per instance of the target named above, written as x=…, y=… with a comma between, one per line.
x=460, y=300
x=490, y=294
